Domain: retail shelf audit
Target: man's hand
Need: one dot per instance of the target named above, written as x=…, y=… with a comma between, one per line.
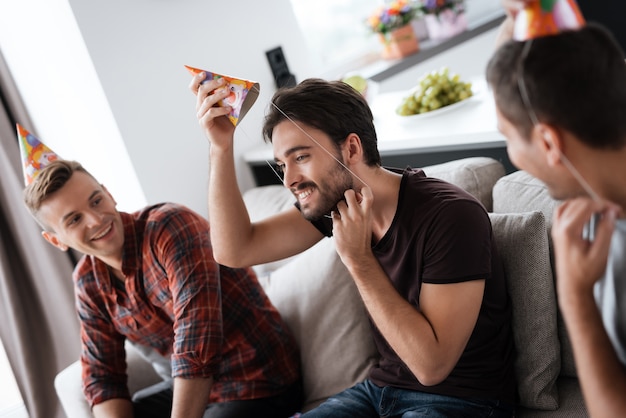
x=352, y=227
x=512, y=8
x=212, y=117
x=579, y=262
x=113, y=408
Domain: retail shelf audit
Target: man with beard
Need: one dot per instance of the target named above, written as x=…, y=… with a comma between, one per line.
x=420, y=251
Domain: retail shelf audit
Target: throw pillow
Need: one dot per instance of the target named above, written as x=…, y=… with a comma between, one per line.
x=319, y=301
x=523, y=245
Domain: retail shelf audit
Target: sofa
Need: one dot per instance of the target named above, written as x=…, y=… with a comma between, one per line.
x=317, y=298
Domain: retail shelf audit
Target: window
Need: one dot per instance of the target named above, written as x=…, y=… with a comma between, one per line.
x=336, y=32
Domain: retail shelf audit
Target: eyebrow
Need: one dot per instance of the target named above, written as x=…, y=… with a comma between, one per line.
x=293, y=150
x=69, y=215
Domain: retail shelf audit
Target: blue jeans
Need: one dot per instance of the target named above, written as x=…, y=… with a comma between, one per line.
x=366, y=400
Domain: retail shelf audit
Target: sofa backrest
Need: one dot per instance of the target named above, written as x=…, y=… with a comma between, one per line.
x=521, y=192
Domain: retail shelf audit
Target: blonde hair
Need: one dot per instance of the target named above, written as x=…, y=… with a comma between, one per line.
x=50, y=179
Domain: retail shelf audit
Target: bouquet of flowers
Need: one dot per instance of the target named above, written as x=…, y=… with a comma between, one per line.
x=393, y=15
x=437, y=6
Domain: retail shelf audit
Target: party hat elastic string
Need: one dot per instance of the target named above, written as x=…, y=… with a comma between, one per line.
x=317, y=143
x=535, y=120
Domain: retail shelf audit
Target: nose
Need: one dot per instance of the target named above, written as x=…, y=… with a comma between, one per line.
x=291, y=176
x=93, y=217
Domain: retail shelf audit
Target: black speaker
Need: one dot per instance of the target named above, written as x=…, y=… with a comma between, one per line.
x=280, y=70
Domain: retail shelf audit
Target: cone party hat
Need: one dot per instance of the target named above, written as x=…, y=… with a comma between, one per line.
x=547, y=17
x=35, y=154
x=243, y=93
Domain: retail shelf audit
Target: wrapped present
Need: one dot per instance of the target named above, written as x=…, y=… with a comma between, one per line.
x=243, y=93
x=547, y=17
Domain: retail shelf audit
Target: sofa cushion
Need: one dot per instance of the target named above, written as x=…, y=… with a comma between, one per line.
x=521, y=192
x=320, y=303
x=475, y=175
x=265, y=201
x=523, y=244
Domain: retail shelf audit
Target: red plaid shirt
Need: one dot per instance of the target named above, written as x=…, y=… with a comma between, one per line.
x=213, y=321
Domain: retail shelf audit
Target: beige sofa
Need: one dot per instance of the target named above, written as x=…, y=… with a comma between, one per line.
x=316, y=296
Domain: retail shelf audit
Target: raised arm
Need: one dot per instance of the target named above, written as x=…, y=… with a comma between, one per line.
x=238, y=242
x=511, y=7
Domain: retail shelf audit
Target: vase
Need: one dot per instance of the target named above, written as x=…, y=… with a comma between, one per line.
x=399, y=42
x=445, y=24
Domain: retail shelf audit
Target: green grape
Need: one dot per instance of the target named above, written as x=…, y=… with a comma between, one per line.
x=435, y=90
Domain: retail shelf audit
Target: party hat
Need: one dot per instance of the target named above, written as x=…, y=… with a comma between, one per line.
x=243, y=93
x=35, y=155
x=547, y=17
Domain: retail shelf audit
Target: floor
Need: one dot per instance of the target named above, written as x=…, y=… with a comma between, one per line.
x=11, y=404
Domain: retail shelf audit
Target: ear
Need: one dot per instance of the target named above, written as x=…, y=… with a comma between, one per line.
x=54, y=240
x=352, y=149
x=551, y=142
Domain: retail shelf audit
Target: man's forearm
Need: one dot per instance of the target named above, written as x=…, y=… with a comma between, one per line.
x=230, y=223
x=191, y=397
x=113, y=408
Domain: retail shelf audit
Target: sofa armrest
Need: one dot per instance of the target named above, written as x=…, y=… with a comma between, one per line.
x=68, y=383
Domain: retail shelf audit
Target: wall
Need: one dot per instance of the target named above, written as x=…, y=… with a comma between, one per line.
x=139, y=48
x=136, y=50
x=136, y=115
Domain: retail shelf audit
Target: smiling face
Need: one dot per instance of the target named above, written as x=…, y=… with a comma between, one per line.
x=82, y=215
x=316, y=178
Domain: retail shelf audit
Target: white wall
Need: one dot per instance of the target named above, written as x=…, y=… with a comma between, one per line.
x=138, y=49
x=136, y=116
x=50, y=64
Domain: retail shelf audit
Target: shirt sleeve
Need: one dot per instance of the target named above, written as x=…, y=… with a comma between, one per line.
x=182, y=247
x=103, y=355
x=459, y=244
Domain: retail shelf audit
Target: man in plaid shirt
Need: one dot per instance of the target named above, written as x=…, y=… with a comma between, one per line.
x=150, y=278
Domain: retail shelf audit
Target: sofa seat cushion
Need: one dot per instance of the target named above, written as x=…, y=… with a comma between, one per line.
x=571, y=403
x=523, y=245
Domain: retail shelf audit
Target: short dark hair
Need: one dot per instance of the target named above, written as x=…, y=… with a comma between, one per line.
x=51, y=179
x=333, y=107
x=576, y=80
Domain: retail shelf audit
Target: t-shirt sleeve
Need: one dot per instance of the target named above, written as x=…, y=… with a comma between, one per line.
x=458, y=244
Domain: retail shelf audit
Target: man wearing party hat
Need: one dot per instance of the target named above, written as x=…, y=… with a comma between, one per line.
x=420, y=251
x=561, y=103
x=149, y=277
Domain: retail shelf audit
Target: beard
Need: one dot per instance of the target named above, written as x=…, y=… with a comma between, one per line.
x=331, y=192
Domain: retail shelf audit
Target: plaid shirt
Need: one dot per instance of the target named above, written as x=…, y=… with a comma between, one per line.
x=213, y=321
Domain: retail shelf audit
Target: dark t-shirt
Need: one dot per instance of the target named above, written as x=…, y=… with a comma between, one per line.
x=441, y=234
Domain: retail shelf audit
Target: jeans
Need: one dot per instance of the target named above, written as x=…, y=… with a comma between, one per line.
x=366, y=400
x=156, y=402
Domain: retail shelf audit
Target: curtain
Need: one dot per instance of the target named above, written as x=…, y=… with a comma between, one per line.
x=38, y=323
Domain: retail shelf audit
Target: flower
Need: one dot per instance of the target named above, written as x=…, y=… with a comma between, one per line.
x=393, y=15
x=437, y=6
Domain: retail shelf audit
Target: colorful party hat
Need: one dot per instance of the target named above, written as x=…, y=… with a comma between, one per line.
x=547, y=17
x=243, y=93
x=35, y=155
